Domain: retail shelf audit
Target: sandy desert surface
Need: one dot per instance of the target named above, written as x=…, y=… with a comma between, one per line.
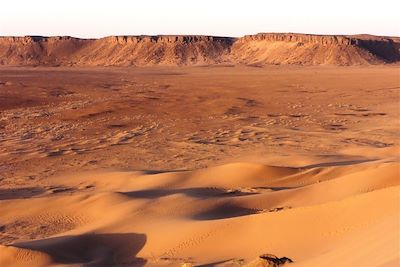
x=204, y=165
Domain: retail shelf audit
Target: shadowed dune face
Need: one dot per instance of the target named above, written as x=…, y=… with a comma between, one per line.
x=91, y=249
x=224, y=211
x=18, y=193
x=192, y=192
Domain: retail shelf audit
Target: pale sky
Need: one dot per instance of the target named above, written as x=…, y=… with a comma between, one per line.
x=98, y=18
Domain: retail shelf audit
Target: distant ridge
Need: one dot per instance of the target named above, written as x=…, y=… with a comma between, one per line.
x=307, y=49
x=260, y=49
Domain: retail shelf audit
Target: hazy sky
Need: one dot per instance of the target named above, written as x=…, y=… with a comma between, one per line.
x=97, y=18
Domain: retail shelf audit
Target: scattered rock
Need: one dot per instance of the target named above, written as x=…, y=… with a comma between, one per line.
x=269, y=260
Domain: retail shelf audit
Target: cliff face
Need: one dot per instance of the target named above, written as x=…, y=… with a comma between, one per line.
x=156, y=50
x=257, y=49
x=387, y=49
x=114, y=50
x=37, y=50
x=297, y=37
x=305, y=49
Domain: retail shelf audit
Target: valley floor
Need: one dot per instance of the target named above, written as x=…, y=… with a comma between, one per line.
x=213, y=165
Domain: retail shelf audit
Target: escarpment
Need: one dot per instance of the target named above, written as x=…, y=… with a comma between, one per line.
x=177, y=50
x=114, y=50
x=156, y=50
x=388, y=49
x=38, y=50
x=306, y=49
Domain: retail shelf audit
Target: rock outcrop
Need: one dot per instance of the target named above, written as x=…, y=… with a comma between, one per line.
x=260, y=49
x=269, y=260
x=306, y=49
x=114, y=50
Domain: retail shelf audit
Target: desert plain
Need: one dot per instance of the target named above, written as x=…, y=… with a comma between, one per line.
x=203, y=165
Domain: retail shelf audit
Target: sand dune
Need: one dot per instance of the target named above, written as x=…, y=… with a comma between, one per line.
x=87, y=248
x=258, y=50
x=231, y=213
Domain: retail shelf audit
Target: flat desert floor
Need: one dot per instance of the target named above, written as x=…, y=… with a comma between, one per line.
x=212, y=166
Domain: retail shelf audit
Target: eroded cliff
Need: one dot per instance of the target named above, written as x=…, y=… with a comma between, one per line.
x=259, y=49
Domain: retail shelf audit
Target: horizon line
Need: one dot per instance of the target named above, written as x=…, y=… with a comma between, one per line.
x=205, y=35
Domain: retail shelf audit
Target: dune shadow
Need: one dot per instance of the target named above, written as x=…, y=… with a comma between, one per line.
x=199, y=192
x=338, y=163
x=150, y=172
x=91, y=249
x=224, y=211
x=20, y=193
x=274, y=188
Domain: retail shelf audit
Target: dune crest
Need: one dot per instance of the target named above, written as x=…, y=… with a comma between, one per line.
x=212, y=215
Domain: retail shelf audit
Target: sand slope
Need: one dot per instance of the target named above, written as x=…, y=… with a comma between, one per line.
x=318, y=216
